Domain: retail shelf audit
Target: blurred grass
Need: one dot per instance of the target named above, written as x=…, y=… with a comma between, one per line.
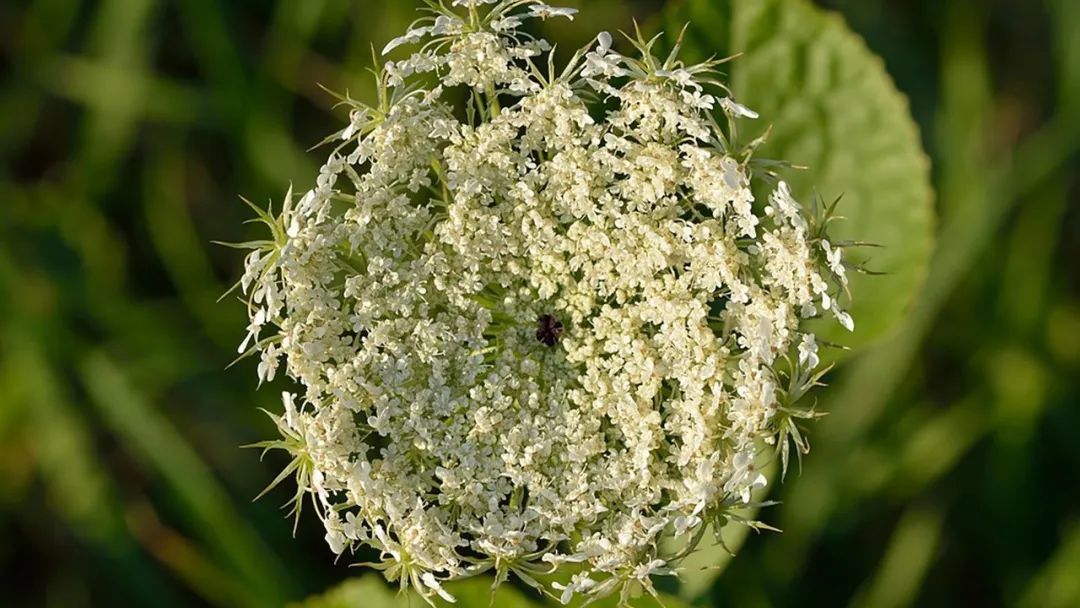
x=945, y=475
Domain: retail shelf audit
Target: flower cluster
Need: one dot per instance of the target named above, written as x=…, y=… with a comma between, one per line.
x=539, y=318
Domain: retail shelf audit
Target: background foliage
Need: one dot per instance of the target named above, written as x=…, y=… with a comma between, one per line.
x=946, y=473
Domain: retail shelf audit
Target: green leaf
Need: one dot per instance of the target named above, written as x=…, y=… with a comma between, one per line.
x=835, y=110
x=367, y=591
x=476, y=593
x=372, y=592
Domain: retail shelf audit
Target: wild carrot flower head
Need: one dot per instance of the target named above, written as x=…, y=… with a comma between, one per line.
x=537, y=316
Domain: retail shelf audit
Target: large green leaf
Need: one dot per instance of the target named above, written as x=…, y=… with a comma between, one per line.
x=370, y=591
x=367, y=592
x=476, y=593
x=835, y=110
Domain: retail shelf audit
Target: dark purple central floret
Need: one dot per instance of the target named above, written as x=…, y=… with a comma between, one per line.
x=549, y=330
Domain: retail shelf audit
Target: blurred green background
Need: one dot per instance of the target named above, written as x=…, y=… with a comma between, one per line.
x=948, y=473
